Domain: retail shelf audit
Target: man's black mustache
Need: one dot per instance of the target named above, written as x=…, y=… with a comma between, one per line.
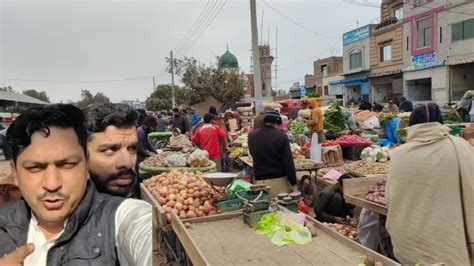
x=127, y=172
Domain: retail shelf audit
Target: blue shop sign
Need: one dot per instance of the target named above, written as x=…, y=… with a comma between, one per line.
x=303, y=90
x=423, y=66
x=424, y=58
x=356, y=35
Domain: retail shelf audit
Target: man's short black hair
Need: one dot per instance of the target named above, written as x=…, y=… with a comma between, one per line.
x=99, y=117
x=342, y=177
x=175, y=110
x=42, y=119
x=208, y=117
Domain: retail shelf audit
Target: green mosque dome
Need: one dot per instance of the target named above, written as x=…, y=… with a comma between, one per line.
x=228, y=61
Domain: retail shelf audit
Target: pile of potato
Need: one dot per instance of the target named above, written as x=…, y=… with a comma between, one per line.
x=184, y=193
x=367, y=168
x=345, y=230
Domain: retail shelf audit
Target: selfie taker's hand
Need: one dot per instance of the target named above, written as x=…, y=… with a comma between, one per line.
x=17, y=257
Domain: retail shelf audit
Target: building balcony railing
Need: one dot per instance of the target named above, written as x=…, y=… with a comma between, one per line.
x=386, y=23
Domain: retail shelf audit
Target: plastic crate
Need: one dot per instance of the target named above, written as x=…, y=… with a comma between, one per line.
x=234, y=204
x=230, y=205
x=352, y=153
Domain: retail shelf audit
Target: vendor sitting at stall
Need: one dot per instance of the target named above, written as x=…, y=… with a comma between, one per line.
x=272, y=159
x=331, y=206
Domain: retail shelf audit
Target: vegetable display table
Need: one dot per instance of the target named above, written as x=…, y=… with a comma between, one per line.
x=355, y=190
x=158, y=170
x=226, y=240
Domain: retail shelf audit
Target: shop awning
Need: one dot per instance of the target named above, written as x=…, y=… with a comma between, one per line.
x=15, y=97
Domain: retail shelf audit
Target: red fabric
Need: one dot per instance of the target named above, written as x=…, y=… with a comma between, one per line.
x=207, y=137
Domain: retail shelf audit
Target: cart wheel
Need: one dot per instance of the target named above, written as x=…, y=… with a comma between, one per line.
x=307, y=187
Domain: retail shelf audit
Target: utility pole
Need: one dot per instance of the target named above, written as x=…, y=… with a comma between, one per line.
x=257, y=80
x=173, y=92
x=276, y=59
x=154, y=86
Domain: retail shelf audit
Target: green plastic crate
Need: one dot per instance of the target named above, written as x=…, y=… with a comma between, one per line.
x=236, y=203
x=230, y=205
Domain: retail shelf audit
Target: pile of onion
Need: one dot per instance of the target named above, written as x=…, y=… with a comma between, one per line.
x=377, y=194
x=184, y=193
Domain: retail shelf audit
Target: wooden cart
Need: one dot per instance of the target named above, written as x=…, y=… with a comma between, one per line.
x=226, y=240
x=307, y=184
x=355, y=190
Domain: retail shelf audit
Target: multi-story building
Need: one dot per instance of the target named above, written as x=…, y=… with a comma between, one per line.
x=356, y=66
x=456, y=23
x=424, y=71
x=438, y=49
x=386, y=53
x=325, y=71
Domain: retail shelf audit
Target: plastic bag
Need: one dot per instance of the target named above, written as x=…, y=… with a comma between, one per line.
x=290, y=232
x=284, y=232
x=390, y=129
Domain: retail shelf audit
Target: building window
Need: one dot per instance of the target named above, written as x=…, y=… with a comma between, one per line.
x=385, y=53
x=326, y=90
x=423, y=32
x=324, y=70
x=463, y=30
x=356, y=60
x=398, y=13
x=440, y=34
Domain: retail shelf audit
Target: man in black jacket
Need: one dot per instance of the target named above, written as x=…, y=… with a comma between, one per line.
x=331, y=206
x=272, y=159
x=62, y=216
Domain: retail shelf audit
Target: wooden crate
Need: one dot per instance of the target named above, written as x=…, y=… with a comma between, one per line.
x=355, y=190
x=332, y=158
x=226, y=240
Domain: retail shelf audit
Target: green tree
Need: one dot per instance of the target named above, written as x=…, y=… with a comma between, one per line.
x=87, y=99
x=8, y=88
x=202, y=81
x=40, y=95
x=160, y=98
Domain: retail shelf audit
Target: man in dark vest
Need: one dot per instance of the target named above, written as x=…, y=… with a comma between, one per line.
x=62, y=217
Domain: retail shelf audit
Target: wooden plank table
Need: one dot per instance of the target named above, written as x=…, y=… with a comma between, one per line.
x=228, y=241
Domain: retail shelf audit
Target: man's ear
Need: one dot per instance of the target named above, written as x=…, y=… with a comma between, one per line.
x=13, y=172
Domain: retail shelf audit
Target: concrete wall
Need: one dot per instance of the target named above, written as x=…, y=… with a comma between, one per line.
x=438, y=76
x=458, y=50
x=363, y=46
x=393, y=35
x=462, y=79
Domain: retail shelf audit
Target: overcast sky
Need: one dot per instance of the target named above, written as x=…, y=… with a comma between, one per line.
x=77, y=41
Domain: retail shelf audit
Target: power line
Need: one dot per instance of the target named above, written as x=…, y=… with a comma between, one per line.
x=364, y=3
x=298, y=24
x=200, y=22
x=209, y=22
x=192, y=27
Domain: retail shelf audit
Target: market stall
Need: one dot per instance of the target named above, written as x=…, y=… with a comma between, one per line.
x=367, y=192
x=227, y=240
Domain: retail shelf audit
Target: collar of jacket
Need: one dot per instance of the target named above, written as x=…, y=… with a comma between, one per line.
x=427, y=132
